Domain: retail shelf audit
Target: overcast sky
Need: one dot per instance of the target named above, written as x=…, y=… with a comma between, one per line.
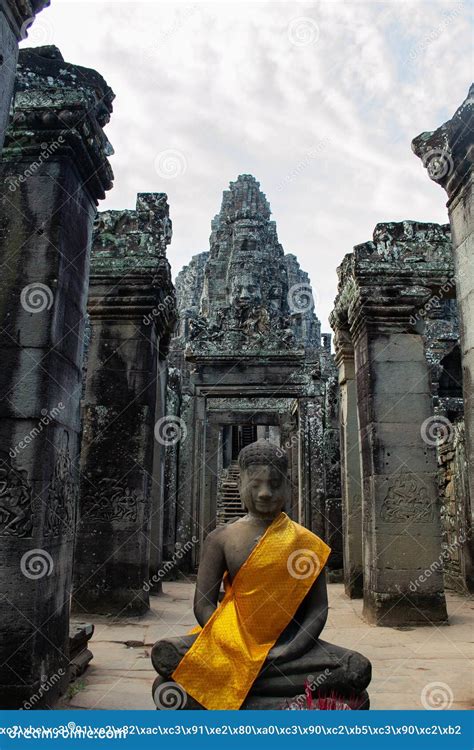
x=319, y=101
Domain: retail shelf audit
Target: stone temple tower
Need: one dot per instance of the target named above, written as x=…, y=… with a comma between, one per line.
x=249, y=362
x=249, y=294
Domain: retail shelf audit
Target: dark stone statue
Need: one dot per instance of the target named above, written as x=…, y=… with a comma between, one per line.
x=298, y=656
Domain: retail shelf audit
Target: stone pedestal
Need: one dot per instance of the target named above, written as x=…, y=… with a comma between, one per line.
x=383, y=285
x=350, y=468
x=45, y=238
x=447, y=154
x=16, y=16
x=131, y=307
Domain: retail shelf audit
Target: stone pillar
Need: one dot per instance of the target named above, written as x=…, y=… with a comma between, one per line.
x=447, y=153
x=16, y=16
x=53, y=170
x=332, y=479
x=211, y=473
x=131, y=307
x=382, y=286
x=350, y=466
x=173, y=404
x=188, y=475
x=158, y=483
x=311, y=464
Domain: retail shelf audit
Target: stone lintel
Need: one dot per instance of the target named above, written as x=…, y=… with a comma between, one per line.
x=231, y=358
x=117, y=294
x=21, y=14
x=448, y=152
x=238, y=391
x=59, y=110
x=384, y=282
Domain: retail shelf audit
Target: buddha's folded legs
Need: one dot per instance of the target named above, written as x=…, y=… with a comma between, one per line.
x=326, y=667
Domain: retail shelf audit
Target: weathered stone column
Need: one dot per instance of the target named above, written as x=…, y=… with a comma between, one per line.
x=53, y=170
x=350, y=465
x=382, y=285
x=188, y=489
x=16, y=16
x=332, y=479
x=158, y=483
x=131, y=307
x=448, y=155
x=312, y=464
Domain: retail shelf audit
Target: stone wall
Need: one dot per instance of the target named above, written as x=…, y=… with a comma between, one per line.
x=16, y=16
x=132, y=314
x=454, y=492
x=446, y=153
x=54, y=169
x=385, y=286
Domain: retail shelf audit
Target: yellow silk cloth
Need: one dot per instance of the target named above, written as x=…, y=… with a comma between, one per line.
x=226, y=657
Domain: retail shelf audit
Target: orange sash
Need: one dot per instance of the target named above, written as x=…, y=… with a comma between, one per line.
x=221, y=666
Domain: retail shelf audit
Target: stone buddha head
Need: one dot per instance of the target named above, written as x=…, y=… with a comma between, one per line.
x=263, y=481
x=245, y=291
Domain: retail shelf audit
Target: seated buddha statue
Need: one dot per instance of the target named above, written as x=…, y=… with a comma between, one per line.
x=259, y=646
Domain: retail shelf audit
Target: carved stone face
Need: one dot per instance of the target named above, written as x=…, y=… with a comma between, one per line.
x=263, y=490
x=245, y=291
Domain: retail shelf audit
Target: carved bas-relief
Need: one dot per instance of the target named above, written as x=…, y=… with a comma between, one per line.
x=16, y=517
x=63, y=494
x=112, y=501
x=407, y=500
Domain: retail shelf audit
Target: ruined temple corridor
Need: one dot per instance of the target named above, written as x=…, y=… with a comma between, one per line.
x=404, y=660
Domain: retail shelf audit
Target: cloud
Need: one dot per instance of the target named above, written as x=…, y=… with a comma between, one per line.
x=320, y=101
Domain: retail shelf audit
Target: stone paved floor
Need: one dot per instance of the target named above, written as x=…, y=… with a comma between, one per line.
x=405, y=661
